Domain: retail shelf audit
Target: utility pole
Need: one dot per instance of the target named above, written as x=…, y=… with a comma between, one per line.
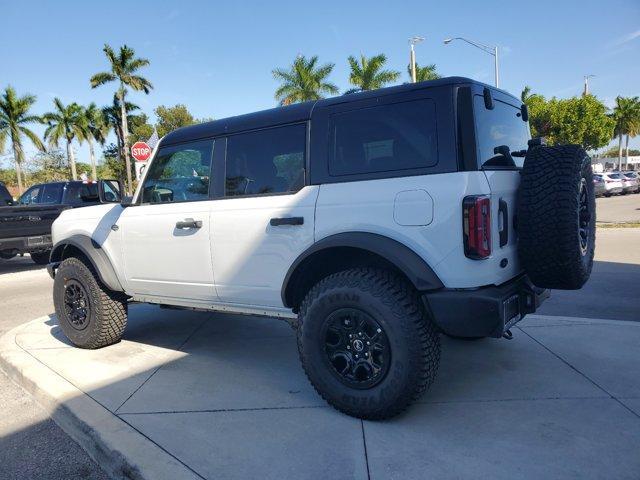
x=412, y=56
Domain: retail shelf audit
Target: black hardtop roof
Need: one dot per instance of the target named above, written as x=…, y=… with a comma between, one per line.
x=298, y=112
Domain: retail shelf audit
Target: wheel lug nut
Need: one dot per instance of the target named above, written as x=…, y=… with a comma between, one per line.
x=378, y=330
x=368, y=343
x=356, y=355
x=348, y=347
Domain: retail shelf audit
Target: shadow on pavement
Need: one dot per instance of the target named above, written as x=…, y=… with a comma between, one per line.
x=612, y=292
x=19, y=264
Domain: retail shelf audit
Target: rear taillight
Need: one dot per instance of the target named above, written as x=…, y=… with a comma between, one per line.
x=476, y=226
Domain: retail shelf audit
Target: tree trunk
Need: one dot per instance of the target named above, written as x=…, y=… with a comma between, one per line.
x=626, y=155
x=72, y=161
x=17, y=157
x=125, y=140
x=620, y=151
x=92, y=154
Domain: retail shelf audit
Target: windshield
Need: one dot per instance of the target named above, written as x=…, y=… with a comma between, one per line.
x=615, y=175
x=502, y=126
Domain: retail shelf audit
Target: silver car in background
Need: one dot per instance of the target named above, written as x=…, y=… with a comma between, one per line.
x=612, y=183
x=598, y=185
x=631, y=182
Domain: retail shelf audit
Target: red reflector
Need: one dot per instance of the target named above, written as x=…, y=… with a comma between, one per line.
x=476, y=226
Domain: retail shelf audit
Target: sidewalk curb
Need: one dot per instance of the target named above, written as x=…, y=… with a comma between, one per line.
x=121, y=451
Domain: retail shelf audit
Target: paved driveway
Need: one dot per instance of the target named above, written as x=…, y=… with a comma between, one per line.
x=224, y=396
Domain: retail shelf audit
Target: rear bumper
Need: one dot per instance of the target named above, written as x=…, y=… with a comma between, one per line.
x=486, y=311
x=26, y=244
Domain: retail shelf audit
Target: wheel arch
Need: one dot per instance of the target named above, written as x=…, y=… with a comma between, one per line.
x=87, y=249
x=354, y=249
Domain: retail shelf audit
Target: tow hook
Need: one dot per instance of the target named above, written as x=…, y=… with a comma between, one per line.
x=507, y=334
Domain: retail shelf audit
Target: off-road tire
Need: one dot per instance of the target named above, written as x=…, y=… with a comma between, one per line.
x=549, y=217
x=396, y=307
x=40, y=258
x=108, y=310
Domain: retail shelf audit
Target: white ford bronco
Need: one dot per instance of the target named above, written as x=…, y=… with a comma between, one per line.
x=373, y=222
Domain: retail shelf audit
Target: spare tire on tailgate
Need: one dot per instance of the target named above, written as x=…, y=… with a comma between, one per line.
x=556, y=216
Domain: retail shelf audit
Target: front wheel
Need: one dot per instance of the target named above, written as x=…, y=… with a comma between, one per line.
x=90, y=315
x=366, y=343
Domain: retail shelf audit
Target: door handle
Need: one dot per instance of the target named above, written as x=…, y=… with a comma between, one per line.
x=503, y=209
x=276, y=222
x=189, y=223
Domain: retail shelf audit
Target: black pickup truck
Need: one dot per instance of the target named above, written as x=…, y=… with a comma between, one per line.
x=25, y=224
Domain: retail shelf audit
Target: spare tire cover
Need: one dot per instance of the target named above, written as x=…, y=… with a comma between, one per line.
x=556, y=216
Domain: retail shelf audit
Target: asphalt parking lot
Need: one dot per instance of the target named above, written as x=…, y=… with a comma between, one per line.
x=32, y=446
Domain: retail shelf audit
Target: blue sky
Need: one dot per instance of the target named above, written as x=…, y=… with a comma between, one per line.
x=217, y=57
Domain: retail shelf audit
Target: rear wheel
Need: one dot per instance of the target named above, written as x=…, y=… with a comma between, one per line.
x=40, y=258
x=90, y=315
x=366, y=343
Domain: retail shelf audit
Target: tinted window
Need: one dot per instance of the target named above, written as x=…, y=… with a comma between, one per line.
x=30, y=196
x=266, y=161
x=179, y=174
x=81, y=193
x=615, y=175
x=5, y=196
x=399, y=136
x=52, y=193
x=502, y=126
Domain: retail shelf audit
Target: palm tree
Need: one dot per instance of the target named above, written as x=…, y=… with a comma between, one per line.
x=97, y=129
x=303, y=81
x=111, y=114
x=626, y=115
x=14, y=116
x=367, y=74
x=428, y=72
x=123, y=70
x=65, y=122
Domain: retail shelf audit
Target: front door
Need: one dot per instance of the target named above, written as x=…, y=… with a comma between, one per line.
x=167, y=244
x=266, y=218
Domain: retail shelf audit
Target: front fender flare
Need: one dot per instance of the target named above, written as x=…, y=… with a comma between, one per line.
x=94, y=254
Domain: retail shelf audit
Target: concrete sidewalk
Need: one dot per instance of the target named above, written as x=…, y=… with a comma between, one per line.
x=193, y=395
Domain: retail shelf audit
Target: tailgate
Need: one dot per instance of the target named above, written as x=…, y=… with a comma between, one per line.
x=504, y=186
x=26, y=221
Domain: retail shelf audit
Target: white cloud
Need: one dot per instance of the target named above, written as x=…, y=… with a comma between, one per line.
x=626, y=39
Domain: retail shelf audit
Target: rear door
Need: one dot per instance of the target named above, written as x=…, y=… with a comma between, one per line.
x=266, y=216
x=502, y=138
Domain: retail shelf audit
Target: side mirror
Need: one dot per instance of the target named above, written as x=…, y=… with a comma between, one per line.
x=524, y=110
x=110, y=191
x=126, y=201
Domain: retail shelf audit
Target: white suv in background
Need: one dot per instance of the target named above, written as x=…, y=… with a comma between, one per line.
x=372, y=222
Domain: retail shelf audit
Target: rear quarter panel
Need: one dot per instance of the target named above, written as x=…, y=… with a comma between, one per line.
x=370, y=206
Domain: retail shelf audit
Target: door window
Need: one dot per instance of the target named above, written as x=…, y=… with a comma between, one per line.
x=82, y=193
x=266, y=161
x=30, y=196
x=179, y=174
x=397, y=136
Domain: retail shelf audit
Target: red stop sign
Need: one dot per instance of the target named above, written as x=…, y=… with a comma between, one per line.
x=141, y=151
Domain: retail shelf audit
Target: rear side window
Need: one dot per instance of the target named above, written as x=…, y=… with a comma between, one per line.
x=81, y=193
x=52, y=193
x=179, y=174
x=399, y=136
x=501, y=127
x=266, y=161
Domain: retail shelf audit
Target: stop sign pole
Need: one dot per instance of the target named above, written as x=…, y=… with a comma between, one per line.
x=141, y=152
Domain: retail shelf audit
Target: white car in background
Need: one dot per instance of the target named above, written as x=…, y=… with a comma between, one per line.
x=631, y=182
x=612, y=183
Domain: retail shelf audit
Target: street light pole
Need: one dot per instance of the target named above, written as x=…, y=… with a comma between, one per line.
x=586, y=84
x=412, y=56
x=485, y=48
